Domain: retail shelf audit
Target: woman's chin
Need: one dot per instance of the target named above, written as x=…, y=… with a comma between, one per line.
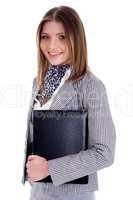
x=57, y=62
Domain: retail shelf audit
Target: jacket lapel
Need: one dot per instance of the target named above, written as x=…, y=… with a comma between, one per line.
x=64, y=96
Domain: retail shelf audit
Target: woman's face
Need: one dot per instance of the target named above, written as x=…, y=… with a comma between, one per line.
x=53, y=43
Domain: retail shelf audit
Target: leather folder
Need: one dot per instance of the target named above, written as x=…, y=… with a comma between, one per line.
x=57, y=133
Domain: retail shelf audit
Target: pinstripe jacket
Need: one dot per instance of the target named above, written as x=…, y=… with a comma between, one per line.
x=102, y=135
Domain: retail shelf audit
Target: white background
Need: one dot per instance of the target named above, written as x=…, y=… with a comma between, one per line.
x=109, y=32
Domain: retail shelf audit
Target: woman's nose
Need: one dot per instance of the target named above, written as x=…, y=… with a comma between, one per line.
x=52, y=44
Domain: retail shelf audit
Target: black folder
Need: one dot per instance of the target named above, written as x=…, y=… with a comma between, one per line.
x=57, y=133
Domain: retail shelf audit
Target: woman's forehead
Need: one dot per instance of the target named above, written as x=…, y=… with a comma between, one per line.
x=53, y=27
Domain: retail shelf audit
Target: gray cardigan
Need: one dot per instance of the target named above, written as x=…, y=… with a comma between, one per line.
x=102, y=135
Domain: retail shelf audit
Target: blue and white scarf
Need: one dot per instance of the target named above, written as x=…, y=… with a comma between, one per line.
x=52, y=80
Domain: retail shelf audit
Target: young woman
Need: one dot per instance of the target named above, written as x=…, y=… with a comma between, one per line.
x=63, y=72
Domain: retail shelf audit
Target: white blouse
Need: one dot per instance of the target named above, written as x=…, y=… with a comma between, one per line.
x=46, y=106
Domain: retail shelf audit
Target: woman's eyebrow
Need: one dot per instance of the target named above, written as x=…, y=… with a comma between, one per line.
x=56, y=33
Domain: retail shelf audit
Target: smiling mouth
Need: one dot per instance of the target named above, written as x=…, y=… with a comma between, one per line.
x=54, y=53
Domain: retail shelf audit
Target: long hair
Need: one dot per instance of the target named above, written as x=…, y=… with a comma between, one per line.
x=76, y=39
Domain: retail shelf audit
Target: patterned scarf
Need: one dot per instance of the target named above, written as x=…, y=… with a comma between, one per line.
x=52, y=80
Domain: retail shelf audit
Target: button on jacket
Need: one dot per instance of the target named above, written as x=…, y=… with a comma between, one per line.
x=102, y=135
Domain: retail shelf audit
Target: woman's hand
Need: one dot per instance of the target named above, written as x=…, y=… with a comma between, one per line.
x=37, y=168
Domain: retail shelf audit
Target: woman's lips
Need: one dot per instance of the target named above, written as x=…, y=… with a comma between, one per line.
x=54, y=53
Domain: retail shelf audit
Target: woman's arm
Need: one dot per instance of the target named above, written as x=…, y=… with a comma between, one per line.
x=102, y=139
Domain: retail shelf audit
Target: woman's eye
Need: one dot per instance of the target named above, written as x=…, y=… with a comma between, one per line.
x=44, y=37
x=62, y=37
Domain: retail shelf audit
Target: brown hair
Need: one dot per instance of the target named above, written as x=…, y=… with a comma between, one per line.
x=76, y=42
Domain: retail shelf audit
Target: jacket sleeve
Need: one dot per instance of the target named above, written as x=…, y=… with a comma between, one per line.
x=27, y=136
x=102, y=138
x=28, y=121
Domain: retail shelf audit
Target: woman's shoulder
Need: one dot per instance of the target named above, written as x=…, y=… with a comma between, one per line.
x=34, y=84
x=92, y=82
x=34, y=80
